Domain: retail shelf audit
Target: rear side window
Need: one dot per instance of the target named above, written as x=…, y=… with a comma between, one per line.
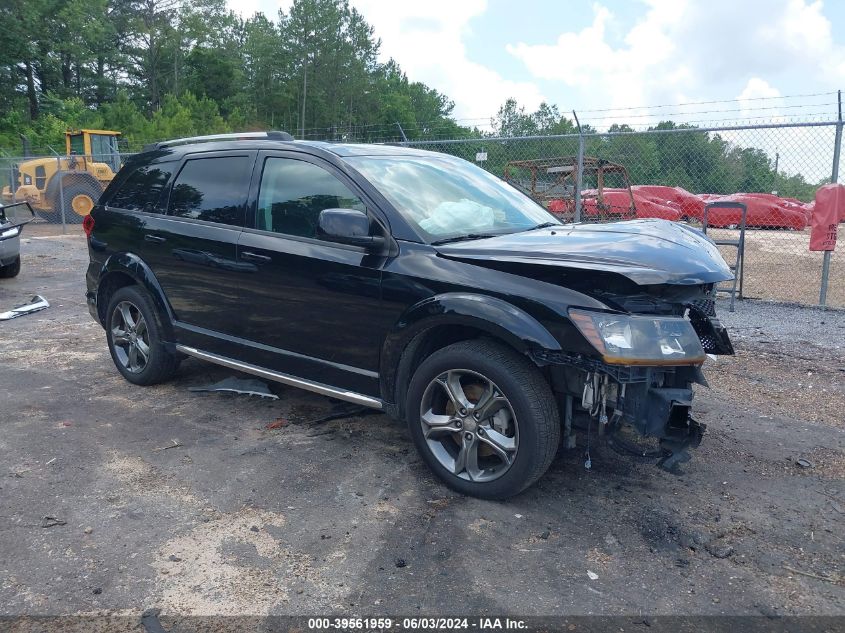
x=212, y=189
x=142, y=188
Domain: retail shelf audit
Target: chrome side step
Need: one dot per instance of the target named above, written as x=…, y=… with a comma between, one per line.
x=293, y=381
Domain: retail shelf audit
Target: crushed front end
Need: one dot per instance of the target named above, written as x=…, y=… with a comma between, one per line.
x=649, y=354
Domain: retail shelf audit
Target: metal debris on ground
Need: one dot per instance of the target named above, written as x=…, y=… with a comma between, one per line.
x=592, y=575
x=247, y=386
x=175, y=444
x=48, y=522
x=804, y=463
x=35, y=304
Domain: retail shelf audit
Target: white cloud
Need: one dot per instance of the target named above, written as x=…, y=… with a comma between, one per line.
x=426, y=39
x=681, y=50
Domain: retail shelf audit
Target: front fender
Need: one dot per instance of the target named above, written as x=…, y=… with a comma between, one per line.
x=132, y=265
x=494, y=316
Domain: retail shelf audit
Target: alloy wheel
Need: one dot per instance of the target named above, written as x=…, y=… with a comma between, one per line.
x=130, y=336
x=469, y=425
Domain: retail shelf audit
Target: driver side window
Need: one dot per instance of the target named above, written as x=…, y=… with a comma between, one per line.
x=293, y=193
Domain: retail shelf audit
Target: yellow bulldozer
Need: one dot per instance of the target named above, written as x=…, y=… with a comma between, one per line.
x=73, y=182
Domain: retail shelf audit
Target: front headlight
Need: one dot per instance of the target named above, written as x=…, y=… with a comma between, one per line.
x=640, y=340
x=9, y=233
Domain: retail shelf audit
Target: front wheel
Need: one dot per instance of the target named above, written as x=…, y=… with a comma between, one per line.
x=483, y=418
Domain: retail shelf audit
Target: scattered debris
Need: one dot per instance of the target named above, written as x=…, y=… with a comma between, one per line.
x=97, y=591
x=48, y=522
x=36, y=304
x=518, y=516
x=832, y=579
x=254, y=528
x=246, y=386
x=592, y=575
x=173, y=558
x=400, y=562
x=51, y=461
x=278, y=423
x=804, y=463
x=88, y=530
x=545, y=535
x=175, y=444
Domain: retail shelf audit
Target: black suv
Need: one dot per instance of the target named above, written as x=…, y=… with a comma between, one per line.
x=412, y=282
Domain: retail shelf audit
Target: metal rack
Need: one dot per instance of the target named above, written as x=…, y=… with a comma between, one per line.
x=735, y=287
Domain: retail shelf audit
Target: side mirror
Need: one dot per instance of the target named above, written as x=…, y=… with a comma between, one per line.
x=348, y=226
x=16, y=214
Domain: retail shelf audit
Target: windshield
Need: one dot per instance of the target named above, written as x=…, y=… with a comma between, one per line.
x=445, y=197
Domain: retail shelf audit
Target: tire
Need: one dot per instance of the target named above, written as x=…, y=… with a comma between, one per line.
x=513, y=447
x=150, y=362
x=79, y=198
x=11, y=270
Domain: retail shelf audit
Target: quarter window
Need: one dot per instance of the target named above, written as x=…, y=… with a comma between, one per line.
x=212, y=189
x=293, y=193
x=142, y=189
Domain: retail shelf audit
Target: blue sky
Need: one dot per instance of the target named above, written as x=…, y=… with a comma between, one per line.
x=616, y=54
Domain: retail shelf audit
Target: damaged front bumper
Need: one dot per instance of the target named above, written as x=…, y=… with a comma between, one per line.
x=655, y=401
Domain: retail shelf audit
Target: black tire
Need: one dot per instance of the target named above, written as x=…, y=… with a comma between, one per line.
x=529, y=399
x=11, y=270
x=84, y=187
x=159, y=365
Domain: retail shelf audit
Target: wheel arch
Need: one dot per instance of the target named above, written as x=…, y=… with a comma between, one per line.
x=127, y=269
x=444, y=319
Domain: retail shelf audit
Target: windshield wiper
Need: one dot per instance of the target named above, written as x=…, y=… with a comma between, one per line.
x=545, y=225
x=462, y=238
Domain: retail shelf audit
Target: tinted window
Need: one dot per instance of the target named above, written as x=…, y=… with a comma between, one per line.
x=294, y=192
x=142, y=189
x=212, y=189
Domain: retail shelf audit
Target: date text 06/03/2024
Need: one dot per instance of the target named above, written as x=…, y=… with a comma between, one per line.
x=415, y=623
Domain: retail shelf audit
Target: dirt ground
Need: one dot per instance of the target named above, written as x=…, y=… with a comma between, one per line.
x=115, y=498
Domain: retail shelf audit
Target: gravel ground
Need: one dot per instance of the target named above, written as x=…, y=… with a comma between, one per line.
x=790, y=360
x=213, y=504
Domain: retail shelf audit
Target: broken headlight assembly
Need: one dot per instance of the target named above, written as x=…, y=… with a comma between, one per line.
x=624, y=339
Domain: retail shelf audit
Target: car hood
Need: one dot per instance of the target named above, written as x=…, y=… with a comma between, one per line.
x=645, y=251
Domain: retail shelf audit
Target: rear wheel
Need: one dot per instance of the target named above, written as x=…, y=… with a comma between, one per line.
x=79, y=200
x=11, y=270
x=133, y=331
x=483, y=418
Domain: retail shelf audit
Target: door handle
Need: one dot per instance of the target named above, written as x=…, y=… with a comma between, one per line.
x=255, y=257
x=154, y=238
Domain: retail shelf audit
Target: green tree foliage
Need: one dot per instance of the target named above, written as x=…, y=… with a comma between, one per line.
x=155, y=69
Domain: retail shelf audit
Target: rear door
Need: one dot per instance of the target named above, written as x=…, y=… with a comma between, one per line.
x=192, y=249
x=312, y=308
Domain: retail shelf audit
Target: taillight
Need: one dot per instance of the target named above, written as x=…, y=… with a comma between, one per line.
x=88, y=225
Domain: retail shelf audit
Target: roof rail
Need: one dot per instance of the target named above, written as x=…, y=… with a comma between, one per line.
x=272, y=135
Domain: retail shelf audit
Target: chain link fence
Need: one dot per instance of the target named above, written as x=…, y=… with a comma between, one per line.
x=672, y=173
x=676, y=174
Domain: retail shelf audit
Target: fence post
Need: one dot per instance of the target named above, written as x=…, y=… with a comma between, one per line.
x=834, y=178
x=580, y=169
x=61, y=193
x=402, y=132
